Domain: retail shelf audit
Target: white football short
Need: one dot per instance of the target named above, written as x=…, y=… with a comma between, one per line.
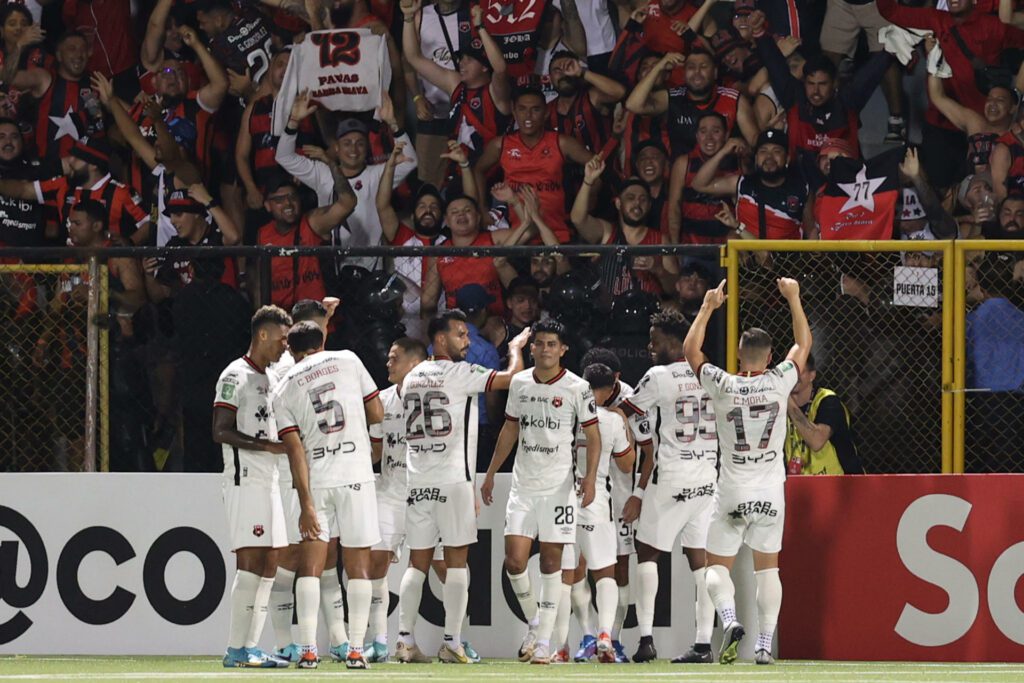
x=751, y=516
x=391, y=516
x=348, y=512
x=255, y=517
x=670, y=511
x=622, y=483
x=447, y=511
x=290, y=503
x=549, y=518
x=596, y=543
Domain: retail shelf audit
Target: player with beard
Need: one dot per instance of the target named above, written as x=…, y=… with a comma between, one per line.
x=21, y=220
x=357, y=14
x=693, y=215
x=621, y=272
x=773, y=202
x=581, y=108
x=478, y=88
x=685, y=105
x=86, y=177
x=533, y=156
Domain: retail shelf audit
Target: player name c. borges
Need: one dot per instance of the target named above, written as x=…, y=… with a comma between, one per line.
x=318, y=373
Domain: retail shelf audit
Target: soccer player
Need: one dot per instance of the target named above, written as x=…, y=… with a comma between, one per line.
x=388, y=442
x=241, y=424
x=323, y=406
x=545, y=406
x=596, y=526
x=750, y=505
x=440, y=408
x=282, y=598
x=683, y=484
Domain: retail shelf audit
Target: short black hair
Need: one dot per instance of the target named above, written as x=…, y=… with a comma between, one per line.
x=602, y=356
x=817, y=63
x=67, y=35
x=671, y=322
x=4, y=121
x=411, y=347
x=713, y=115
x=599, y=376
x=528, y=90
x=15, y=8
x=304, y=337
x=442, y=323
x=308, y=309
x=633, y=180
x=216, y=5
x=563, y=54
x=93, y=209
x=269, y=315
x=756, y=338
x=549, y=326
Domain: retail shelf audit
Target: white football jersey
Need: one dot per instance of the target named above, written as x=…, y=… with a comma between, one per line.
x=276, y=371
x=623, y=482
x=245, y=389
x=393, y=480
x=751, y=416
x=683, y=414
x=548, y=414
x=322, y=398
x=439, y=398
x=614, y=444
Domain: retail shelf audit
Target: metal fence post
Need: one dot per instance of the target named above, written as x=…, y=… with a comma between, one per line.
x=92, y=336
x=952, y=288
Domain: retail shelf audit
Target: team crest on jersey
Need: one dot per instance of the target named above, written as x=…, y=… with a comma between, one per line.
x=592, y=406
x=546, y=152
x=515, y=154
x=475, y=103
x=792, y=204
x=358, y=185
x=262, y=414
x=257, y=530
x=463, y=27
x=557, y=401
x=227, y=391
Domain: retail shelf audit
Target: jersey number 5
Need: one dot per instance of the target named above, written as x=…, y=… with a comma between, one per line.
x=332, y=415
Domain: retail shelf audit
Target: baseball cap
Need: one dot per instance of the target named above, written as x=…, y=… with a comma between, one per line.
x=473, y=297
x=967, y=183
x=726, y=40
x=836, y=145
x=429, y=190
x=180, y=202
x=96, y=152
x=744, y=7
x=772, y=137
x=523, y=285
x=912, y=209
x=347, y=126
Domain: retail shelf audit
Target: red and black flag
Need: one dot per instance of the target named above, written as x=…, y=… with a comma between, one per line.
x=858, y=201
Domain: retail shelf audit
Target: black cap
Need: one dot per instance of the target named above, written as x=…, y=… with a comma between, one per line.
x=351, y=126
x=429, y=189
x=772, y=137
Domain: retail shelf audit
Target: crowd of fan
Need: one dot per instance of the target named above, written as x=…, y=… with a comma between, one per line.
x=505, y=122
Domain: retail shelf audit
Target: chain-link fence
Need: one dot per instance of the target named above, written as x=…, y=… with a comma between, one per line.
x=991, y=346
x=877, y=320
x=50, y=368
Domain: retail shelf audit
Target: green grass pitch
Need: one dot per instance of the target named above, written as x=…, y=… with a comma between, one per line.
x=172, y=669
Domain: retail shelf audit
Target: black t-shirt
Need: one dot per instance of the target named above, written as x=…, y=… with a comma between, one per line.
x=244, y=45
x=831, y=413
x=21, y=222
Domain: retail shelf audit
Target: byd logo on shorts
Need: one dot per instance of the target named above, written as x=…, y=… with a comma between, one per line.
x=111, y=542
x=955, y=578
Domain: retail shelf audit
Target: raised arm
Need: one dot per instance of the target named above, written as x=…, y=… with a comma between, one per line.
x=243, y=154
x=942, y=224
x=676, y=186
x=959, y=115
x=489, y=158
x=503, y=379
x=646, y=101
x=590, y=228
x=314, y=174
x=501, y=85
x=445, y=79
x=211, y=95
x=156, y=28
x=231, y=232
x=801, y=329
x=693, y=345
x=783, y=83
x=385, y=210
x=705, y=181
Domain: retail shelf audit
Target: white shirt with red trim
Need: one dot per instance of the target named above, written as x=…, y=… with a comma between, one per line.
x=439, y=399
x=393, y=481
x=674, y=400
x=322, y=398
x=548, y=413
x=276, y=371
x=614, y=444
x=245, y=389
x=750, y=411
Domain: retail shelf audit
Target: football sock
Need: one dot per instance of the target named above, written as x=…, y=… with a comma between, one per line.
x=647, y=584
x=705, y=608
x=560, y=635
x=456, y=598
x=360, y=593
x=307, y=604
x=620, y=611
x=769, y=602
x=379, y=611
x=581, y=607
x=243, y=594
x=281, y=606
x=607, y=603
x=722, y=592
x=259, y=611
x=547, y=608
x=409, y=596
x=334, y=607
x=524, y=594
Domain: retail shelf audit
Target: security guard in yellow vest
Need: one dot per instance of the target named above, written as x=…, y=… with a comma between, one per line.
x=818, y=437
